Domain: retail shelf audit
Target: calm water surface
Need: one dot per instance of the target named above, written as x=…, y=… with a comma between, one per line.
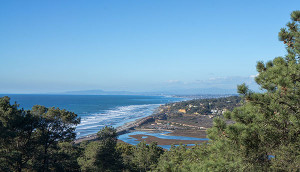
x=161, y=135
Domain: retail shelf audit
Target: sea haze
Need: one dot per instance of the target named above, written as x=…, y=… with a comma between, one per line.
x=96, y=111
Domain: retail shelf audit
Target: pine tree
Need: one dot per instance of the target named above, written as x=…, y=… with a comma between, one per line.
x=17, y=139
x=54, y=126
x=145, y=157
x=102, y=155
x=268, y=123
x=31, y=140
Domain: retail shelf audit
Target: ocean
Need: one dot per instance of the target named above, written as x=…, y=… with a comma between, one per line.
x=96, y=111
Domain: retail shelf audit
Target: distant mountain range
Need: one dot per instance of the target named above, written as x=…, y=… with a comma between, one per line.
x=168, y=92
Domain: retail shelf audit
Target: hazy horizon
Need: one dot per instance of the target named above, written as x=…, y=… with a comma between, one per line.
x=207, y=91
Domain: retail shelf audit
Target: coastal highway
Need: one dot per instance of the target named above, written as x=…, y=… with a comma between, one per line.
x=120, y=130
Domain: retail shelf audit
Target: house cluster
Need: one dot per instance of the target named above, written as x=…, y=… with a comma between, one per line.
x=160, y=124
x=218, y=111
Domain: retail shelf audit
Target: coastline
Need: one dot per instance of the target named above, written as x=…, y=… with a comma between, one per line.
x=176, y=122
x=125, y=128
x=135, y=126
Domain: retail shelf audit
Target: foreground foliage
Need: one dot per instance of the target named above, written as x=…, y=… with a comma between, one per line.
x=37, y=139
x=268, y=124
x=101, y=155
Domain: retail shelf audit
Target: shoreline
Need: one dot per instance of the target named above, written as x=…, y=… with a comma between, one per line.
x=127, y=125
x=131, y=127
x=123, y=129
x=187, y=125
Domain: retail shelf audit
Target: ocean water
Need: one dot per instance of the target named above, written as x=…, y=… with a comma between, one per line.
x=97, y=111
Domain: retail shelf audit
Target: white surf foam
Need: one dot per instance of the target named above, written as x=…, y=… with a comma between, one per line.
x=92, y=123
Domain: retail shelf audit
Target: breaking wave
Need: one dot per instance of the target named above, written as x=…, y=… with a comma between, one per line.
x=92, y=123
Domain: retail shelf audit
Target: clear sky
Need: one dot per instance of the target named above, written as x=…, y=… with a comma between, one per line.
x=136, y=45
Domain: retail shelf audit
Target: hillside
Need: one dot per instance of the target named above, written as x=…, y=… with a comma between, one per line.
x=190, y=115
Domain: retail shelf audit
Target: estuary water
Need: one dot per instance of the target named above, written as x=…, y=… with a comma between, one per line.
x=96, y=111
x=162, y=135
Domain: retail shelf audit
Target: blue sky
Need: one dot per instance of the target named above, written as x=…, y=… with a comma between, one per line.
x=134, y=45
